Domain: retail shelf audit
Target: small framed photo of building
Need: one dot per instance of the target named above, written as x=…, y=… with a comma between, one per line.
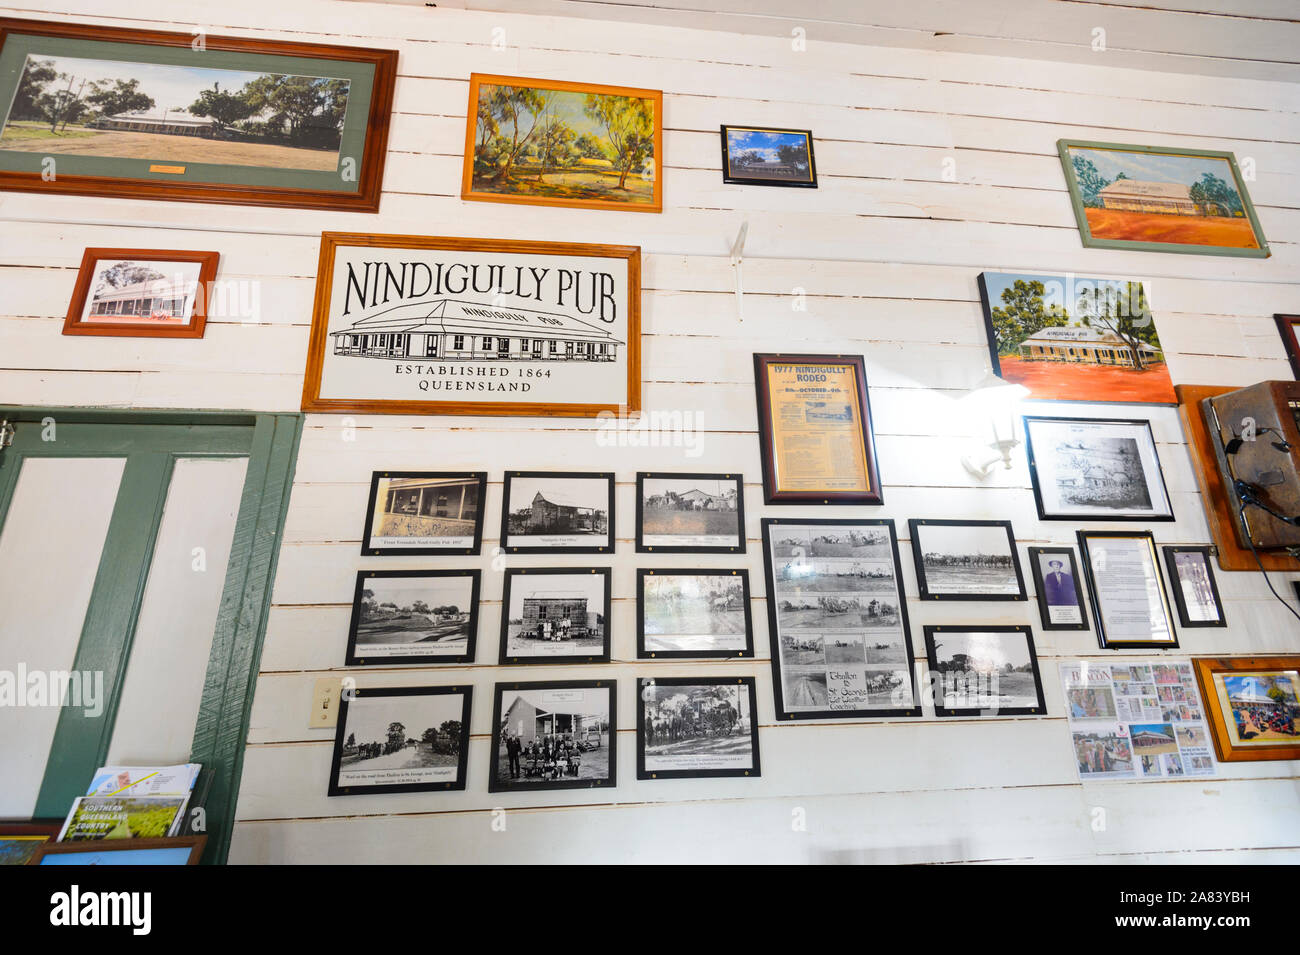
x=401, y=739
x=546, y=512
x=414, y=616
x=1096, y=469
x=1252, y=706
x=693, y=613
x=695, y=727
x=966, y=560
x=424, y=512
x=560, y=734
x=690, y=513
x=555, y=615
x=981, y=670
x=1196, y=592
x=1129, y=602
x=1061, y=602
x=145, y=293
x=768, y=156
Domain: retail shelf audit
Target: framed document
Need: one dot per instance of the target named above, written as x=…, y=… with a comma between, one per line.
x=1196, y=594
x=1060, y=594
x=1128, y=594
x=814, y=430
x=1252, y=706
x=696, y=726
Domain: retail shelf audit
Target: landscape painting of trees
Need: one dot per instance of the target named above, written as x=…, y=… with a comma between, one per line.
x=564, y=144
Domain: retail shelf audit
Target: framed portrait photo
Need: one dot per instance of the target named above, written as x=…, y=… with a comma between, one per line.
x=144, y=293
x=984, y=671
x=837, y=620
x=424, y=512
x=413, y=616
x=693, y=612
x=559, y=734
x=554, y=143
x=690, y=513
x=1160, y=199
x=168, y=850
x=814, y=430
x=695, y=727
x=1061, y=601
x=143, y=114
x=1128, y=595
x=966, y=560
x=555, y=615
x=1096, y=469
x=401, y=739
x=1252, y=705
x=768, y=156
x=558, y=511
x=1196, y=592
x=1286, y=328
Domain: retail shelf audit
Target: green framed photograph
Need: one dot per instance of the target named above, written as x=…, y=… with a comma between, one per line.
x=1156, y=199
x=101, y=111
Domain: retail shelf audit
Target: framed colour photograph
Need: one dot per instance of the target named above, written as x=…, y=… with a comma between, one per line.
x=143, y=114
x=558, y=511
x=1096, y=469
x=145, y=293
x=414, y=616
x=690, y=513
x=693, y=613
x=837, y=620
x=1061, y=601
x=401, y=739
x=424, y=512
x=1196, y=592
x=814, y=430
x=696, y=727
x=1252, y=706
x=168, y=850
x=559, y=734
x=966, y=560
x=984, y=671
x=768, y=156
x=1286, y=327
x=555, y=615
x=1127, y=592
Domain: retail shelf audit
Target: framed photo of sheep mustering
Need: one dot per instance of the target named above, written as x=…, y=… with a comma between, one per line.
x=424, y=512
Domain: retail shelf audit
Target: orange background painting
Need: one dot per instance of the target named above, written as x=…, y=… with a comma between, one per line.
x=1079, y=381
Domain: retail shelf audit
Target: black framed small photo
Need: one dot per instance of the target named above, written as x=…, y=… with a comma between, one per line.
x=424, y=512
x=693, y=613
x=768, y=156
x=966, y=560
x=1129, y=602
x=401, y=739
x=413, y=616
x=1059, y=588
x=546, y=512
x=1196, y=592
x=555, y=615
x=559, y=734
x=690, y=513
x=693, y=727
x=981, y=670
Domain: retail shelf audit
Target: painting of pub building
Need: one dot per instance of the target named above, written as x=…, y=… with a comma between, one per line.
x=449, y=329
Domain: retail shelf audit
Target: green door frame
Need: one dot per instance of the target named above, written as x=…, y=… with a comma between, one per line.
x=270, y=442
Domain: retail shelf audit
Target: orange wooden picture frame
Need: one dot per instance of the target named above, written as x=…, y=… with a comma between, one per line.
x=73, y=324
x=1206, y=669
x=467, y=190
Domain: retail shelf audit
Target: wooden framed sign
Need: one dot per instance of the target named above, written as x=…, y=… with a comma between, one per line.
x=815, y=430
x=143, y=114
x=429, y=325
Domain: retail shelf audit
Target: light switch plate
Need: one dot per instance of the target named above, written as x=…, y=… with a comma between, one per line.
x=325, y=703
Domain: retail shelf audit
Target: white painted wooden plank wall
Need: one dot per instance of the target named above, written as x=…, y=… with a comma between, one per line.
x=885, y=255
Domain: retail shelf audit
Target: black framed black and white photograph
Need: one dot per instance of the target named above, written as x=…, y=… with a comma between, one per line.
x=768, y=156
x=966, y=560
x=424, y=512
x=1129, y=602
x=555, y=615
x=559, y=734
x=413, y=616
x=690, y=513
x=1061, y=602
x=1096, y=469
x=550, y=511
x=837, y=620
x=692, y=727
x=401, y=739
x=693, y=613
x=1196, y=592
x=982, y=670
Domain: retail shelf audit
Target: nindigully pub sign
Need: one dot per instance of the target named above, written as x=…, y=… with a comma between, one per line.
x=409, y=324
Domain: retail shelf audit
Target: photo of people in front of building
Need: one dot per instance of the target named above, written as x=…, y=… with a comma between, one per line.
x=697, y=727
x=553, y=737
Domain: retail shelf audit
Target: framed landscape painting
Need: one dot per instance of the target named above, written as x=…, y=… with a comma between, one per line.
x=554, y=143
x=1158, y=199
x=764, y=156
x=1253, y=706
x=103, y=111
x=146, y=293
